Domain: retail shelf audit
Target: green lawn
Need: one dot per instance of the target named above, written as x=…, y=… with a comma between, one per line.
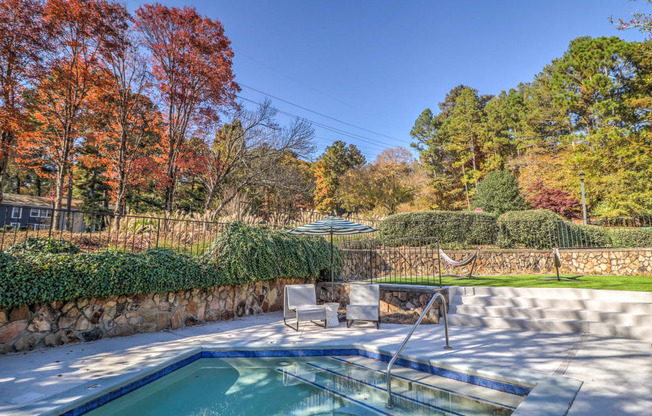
x=639, y=283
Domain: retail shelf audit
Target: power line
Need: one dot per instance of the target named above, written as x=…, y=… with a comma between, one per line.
x=320, y=114
x=367, y=140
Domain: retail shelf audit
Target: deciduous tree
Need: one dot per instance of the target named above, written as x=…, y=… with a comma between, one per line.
x=23, y=38
x=191, y=58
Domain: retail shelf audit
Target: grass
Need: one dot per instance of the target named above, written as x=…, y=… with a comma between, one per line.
x=636, y=283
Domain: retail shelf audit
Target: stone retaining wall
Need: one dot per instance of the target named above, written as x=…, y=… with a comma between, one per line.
x=398, y=304
x=57, y=323
x=363, y=264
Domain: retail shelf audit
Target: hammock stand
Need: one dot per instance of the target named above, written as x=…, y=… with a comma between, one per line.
x=449, y=263
x=556, y=260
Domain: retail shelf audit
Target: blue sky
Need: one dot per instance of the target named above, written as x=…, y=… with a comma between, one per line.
x=379, y=64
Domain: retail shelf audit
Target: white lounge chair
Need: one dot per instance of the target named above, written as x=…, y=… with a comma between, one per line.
x=364, y=304
x=300, y=303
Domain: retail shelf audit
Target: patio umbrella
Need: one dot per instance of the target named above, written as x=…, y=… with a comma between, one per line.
x=332, y=226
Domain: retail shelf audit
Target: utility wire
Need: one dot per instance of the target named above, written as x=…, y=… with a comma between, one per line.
x=367, y=140
x=321, y=114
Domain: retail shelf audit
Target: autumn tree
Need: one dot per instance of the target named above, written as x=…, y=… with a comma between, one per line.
x=250, y=151
x=129, y=121
x=64, y=92
x=336, y=160
x=558, y=201
x=191, y=59
x=379, y=187
x=23, y=39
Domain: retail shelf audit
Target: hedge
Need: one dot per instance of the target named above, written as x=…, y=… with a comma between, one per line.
x=539, y=229
x=247, y=254
x=241, y=255
x=532, y=228
x=452, y=228
x=544, y=229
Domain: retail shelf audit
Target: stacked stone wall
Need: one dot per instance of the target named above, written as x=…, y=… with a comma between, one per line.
x=411, y=261
x=398, y=304
x=45, y=325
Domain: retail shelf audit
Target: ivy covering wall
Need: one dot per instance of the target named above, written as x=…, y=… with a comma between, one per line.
x=42, y=270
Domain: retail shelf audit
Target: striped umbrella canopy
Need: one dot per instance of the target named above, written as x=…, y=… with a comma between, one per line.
x=332, y=226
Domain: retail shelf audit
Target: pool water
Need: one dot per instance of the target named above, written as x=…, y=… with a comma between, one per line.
x=302, y=386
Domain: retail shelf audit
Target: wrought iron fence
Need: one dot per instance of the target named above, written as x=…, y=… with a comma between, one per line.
x=633, y=221
x=404, y=260
x=94, y=231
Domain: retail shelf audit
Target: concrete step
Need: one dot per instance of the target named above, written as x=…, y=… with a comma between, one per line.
x=574, y=304
x=617, y=318
x=609, y=329
x=554, y=293
x=558, y=326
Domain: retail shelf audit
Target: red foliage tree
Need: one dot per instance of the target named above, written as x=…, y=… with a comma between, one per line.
x=556, y=200
x=21, y=41
x=72, y=77
x=191, y=60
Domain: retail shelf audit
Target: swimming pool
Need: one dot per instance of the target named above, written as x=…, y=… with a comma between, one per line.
x=308, y=382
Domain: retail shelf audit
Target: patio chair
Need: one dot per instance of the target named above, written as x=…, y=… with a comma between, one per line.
x=300, y=303
x=364, y=304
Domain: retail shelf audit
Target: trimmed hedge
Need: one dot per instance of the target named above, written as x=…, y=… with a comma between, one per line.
x=453, y=228
x=532, y=228
x=244, y=255
x=544, y=229
x=539, y=229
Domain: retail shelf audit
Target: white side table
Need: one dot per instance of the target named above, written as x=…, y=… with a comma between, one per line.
x=332, y=320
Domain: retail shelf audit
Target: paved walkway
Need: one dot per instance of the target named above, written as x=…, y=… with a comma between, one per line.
x=617, y=373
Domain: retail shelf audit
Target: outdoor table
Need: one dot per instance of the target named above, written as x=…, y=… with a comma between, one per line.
x=332, y=320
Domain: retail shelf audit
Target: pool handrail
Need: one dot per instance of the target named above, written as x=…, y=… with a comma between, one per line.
x=390, y=402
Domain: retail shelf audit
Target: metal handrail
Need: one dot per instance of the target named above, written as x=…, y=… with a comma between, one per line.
x=390, y=402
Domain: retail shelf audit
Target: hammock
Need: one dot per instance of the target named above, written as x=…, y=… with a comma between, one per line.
x=453, y=263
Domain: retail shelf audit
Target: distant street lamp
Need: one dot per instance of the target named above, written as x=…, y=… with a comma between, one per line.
x=582, y=175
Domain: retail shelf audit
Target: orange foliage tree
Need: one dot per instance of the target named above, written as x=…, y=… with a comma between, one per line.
x=21, y=41
x=71, y=78
x=191, y=60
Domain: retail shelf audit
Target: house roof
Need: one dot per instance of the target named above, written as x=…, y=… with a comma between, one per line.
x=35, y=201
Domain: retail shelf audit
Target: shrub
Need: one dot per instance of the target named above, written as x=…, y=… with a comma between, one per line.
x=452, y=228
x=241, y=255
x=247, y=254
x=499, y=193
x=43, y=245
x=558, y=201
x=532, y=228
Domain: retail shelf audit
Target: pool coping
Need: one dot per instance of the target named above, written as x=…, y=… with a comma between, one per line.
x=550, y=395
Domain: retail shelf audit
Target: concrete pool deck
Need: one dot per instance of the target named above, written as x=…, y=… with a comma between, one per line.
x=617, y=373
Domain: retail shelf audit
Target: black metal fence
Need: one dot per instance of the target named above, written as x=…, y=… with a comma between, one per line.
x=94, y=231
x=193, y=235
x=405, y=260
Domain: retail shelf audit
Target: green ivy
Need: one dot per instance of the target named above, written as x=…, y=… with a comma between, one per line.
x=43, y=245
x=248, y=254
x=240, y=255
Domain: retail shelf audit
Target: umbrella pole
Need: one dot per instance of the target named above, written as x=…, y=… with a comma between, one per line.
x=332, y=280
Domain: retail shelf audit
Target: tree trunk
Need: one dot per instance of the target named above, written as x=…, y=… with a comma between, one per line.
x=466, y=187
x=6, y=141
